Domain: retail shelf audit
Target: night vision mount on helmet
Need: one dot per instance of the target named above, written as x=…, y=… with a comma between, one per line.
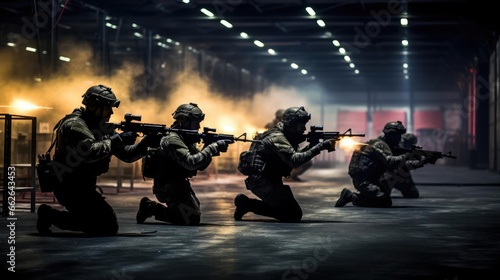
x=295, y=115
x=396, y=126
x=100, y=95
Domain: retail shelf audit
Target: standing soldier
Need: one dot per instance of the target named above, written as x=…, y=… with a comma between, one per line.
x=182, y=160
x=266, y=164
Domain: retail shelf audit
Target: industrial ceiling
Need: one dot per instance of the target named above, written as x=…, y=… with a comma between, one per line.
x=444, y=37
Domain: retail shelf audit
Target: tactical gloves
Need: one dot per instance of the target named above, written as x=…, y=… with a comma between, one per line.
x=122, y=139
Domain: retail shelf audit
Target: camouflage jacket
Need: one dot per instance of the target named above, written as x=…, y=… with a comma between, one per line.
x=83, y=150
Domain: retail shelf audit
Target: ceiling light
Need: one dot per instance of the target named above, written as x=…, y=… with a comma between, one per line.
x=407, y=77
x=356, y=71
x=404, y=42
x=11, y=44
x=352, y=65
x=30, y=49
x=336, y=43
x=135, y=25
x=207, y=12
x=405, y=71
x=243, y=35
x=303, y=71
x=284, y=60
x=294, y=65
x=342, y=50
x=321, y=23
x=185, y=1
x=404, y=21
x=137, y=34
x=271, y=51
x=63, y=58
x=347, y=58
x=258, y=43
x=405, y=65
x=226, y=23
x=310, y=11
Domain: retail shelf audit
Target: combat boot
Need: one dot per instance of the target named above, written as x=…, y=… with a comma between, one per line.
x=345, y=197
x=242, y=203
x=43, y=222
x=146, y=210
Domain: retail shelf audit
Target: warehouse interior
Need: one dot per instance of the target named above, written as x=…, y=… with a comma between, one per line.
x=353, y=64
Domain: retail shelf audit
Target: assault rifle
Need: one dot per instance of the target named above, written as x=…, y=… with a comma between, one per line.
x=417, y=151
x=144, y=128
x=207, y=136
x=317, y=134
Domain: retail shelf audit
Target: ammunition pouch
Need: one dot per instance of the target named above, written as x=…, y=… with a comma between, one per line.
x=46, y=174
x=251, y=163
x=153, y=164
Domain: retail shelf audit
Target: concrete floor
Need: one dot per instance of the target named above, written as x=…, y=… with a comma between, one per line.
x=451, y=232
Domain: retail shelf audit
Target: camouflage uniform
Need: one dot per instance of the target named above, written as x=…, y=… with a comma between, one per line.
x=368, y=165
x=181, y=160
x=274, y=159
x=401, y=178
x=83, y=152
x=367, y=168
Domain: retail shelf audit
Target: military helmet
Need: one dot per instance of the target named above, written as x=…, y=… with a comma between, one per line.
x=295, y=115
x=279, y=114
x=100, y=95
x=189, y=111
x=396, y=126
x=409, y=138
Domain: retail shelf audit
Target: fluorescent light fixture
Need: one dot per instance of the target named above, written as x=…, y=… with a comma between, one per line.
x=347, y=58
x=185, y=1
x=321, y=23
x=271, y=51
x=407, y=77
x=404, y=21
x=10, y=44
x=207, y=12
x=284, y=60
x=258, y=43
x=30, y=49
x=404, y=42
x=310, y=11
x=38, y=79
x=63, y=58
x=303, y=71
x=226, y=23
x=352, y=65
x=137, y=34
x=356, y=71
x=157, y=37
x=336, y=43
x=135, y=25
x=243, y=35
x=405, y=65
x=342, y=50
x=313, y=78
x=294, y=65
x=405, y=71
x=169, y=40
